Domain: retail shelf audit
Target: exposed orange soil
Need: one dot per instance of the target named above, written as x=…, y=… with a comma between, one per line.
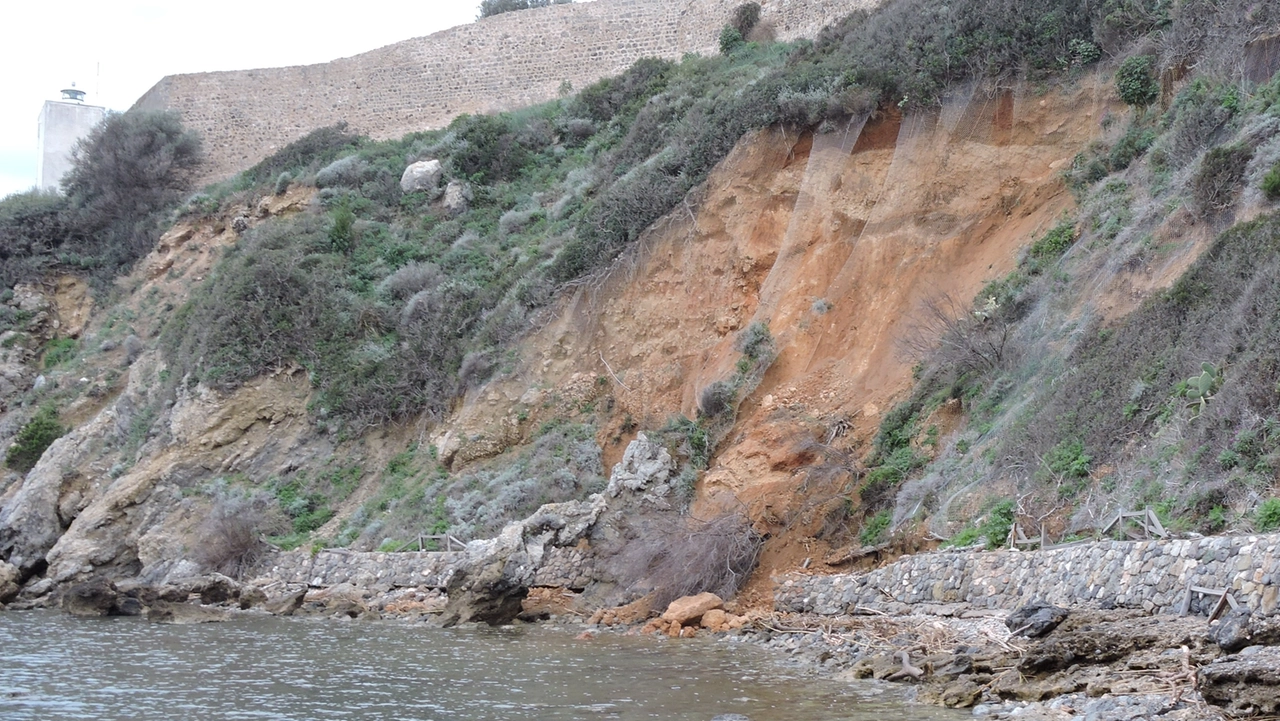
x=835, y=240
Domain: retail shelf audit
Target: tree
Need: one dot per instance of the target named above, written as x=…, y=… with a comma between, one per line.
x=128, y=168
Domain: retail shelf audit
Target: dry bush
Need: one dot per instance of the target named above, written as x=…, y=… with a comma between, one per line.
x=231, y=537
x=677, y=556
x=952, y=335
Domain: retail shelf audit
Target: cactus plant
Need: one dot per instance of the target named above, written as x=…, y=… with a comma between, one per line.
x=1202, y=387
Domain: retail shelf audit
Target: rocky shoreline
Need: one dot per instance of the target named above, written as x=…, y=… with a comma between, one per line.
x=1100, y=631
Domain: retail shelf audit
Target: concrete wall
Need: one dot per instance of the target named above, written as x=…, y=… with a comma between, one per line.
x=498, y=63
x=60, y=125
x=1151, y=575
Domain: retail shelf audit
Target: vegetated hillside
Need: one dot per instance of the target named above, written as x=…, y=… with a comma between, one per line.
x=742, y=256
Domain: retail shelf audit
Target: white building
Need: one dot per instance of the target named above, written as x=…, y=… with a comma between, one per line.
x=62, y=123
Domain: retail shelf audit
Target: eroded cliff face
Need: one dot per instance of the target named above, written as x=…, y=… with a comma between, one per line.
x=835, y=240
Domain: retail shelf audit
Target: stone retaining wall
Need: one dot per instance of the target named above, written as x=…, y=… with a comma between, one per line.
x=498, y=63
x=1151, y=575
x=566, y=567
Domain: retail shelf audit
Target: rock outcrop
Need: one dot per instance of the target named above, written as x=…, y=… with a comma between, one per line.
x=494, y=576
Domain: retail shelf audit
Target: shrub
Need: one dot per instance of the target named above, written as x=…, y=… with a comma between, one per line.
x=126, y=170
x=1271, y=183
x=999, y=524
x=745, y=17
x=489, y=8
x=1268, y=515
x=681, y=556
x=282, y=182
x=1136, y=81
x=313, y=150
x=730, y=39
x=59, y=351
x=717, y=399
x=874, y=529
x=1221, y=171
x=231, y=536
x=34, y=438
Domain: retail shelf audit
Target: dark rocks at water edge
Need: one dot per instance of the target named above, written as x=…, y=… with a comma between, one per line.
x=1035, y=619
x=192, y=600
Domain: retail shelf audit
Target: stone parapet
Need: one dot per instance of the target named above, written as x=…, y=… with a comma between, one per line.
x=498, y=63
x=1151, y=575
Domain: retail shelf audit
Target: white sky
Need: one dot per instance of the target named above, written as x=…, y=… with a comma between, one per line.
x=115, y=50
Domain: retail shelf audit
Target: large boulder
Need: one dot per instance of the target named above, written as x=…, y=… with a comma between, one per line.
x=1035, y=619
x=490, y=583
x=422, y=175
x=1240, y=628
x=690, y=609
x=95, y=597
x=286, y=604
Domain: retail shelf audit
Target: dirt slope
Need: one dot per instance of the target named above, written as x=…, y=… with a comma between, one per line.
x=834, y=240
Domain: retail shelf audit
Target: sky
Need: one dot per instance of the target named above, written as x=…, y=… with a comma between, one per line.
x=115, y=50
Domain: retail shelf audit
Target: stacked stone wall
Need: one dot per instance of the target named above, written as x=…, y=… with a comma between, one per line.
x=498, y=63
x=566, y=567
x=1151, y=575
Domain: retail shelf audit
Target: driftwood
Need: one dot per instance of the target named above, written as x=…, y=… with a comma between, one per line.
x=907, y=669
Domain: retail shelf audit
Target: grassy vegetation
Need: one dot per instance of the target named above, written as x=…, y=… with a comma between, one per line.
x=35, y=437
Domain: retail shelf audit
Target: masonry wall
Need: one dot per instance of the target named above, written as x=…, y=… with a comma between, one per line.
x=560, y=567
x=498, y=63
x=1151, y=575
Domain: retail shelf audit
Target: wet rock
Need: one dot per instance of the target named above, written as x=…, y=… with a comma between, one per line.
x=286, y=604
x=1035, y=619
x=95, y=597
x=1244, y=683
x=251, y=596
x=422, y=175
x=961, y=694
x=689, y=609
x=9, y=576
x=218, y=589
x=183, y=613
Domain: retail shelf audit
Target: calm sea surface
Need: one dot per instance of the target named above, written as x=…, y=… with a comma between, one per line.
x=54, y=666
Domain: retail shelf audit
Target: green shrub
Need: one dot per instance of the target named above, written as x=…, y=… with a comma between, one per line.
x=310, y=152
x=59, y=351
x=1271, y=183
x=34, y=438
x=873, y=531
x=717, y=399
x=1136, y=81
x=1054, y=243
x=999, y=524
x=1268, y=515
x=730, y=39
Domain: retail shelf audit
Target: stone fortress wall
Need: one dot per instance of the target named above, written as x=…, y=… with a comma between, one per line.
x=1150, y=575
x=498, y=63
